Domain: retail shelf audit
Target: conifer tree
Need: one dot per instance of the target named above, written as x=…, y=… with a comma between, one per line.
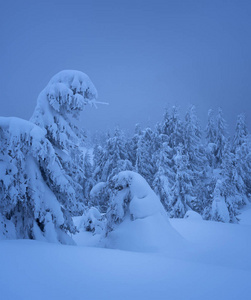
x=242, y=152
x=145, y=156
x=211, y=139
x=58, y=108
x=220, y=137
x=35, y=194
x=196, y=159
x=88, y=174
x=173, y=128
x=165, y=176
x=182, y=189
x=115, y=158
x=132, y=145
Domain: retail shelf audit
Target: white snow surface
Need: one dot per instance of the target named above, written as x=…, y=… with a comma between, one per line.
x=214, y=262
x=147, y=257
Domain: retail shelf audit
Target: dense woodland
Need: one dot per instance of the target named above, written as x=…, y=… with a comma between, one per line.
x=188, y=168
x=47, y=176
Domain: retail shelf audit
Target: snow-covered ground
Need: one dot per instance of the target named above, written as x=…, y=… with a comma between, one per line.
x=209, y=260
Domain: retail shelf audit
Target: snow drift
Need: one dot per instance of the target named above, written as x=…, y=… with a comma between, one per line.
x=136, y=219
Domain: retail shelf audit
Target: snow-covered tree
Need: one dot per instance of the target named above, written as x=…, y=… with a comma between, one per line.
x=210, y=129
x=115, y=157
x=145, y=165
x=219, y=207
x=99, y=196
x=165, y=176
x=241, y=132
x=35, y=193
x=130, y=197
x=242, y=152
x=132, y=145
x=58, y=108
x=196, y=158
x=226, y=199
x=220, y=137
x=182, y=190
x=98, y=162
x=172, y=128
x=88, y=174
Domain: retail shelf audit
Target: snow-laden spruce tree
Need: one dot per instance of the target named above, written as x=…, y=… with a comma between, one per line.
x=108, y=161
x=211, y=139
x=196, y=158
x=35, y=193
x=132, y=145
x=88, y=174
x=226, y=194
x=219, y=207
x=220, y=137
x=216, y=138
x=114, y=158
x=132, y=197
x=182, y=190
x=165, y=176
x=220, y=203
x=242, y=152
x=192, y=140
x=98, y=162
x=145, y=164
x=171, y=128
x=58, y=108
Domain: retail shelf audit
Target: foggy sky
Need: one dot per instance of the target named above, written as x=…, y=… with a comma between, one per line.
x=142, y=56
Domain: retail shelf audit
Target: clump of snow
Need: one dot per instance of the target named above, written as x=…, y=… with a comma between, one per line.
x=76, y=81
x=92, y=220
x=141, y=223
x=143, y=201
x=97, y=189
x=192, y=215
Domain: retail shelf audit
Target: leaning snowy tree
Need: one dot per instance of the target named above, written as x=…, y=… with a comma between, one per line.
x=41, y=164
x=57, y=111
x=36, y=197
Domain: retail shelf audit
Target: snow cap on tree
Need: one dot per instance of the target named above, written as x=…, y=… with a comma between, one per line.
x=70, y=89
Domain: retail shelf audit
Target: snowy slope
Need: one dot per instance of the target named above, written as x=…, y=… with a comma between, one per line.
x=213, y=263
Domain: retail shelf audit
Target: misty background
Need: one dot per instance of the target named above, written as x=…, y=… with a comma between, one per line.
x=142, y=56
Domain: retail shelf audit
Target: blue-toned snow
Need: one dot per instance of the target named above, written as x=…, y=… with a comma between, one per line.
x=210, y=261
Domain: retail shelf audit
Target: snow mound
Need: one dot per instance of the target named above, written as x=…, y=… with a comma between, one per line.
x=92, y=221
x=141, y=221
x=144, y=202
x=192, y=215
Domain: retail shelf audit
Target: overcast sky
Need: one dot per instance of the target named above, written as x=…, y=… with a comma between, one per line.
x=142, y=56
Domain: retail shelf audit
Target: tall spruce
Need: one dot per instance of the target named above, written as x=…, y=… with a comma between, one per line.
x=145, y=156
